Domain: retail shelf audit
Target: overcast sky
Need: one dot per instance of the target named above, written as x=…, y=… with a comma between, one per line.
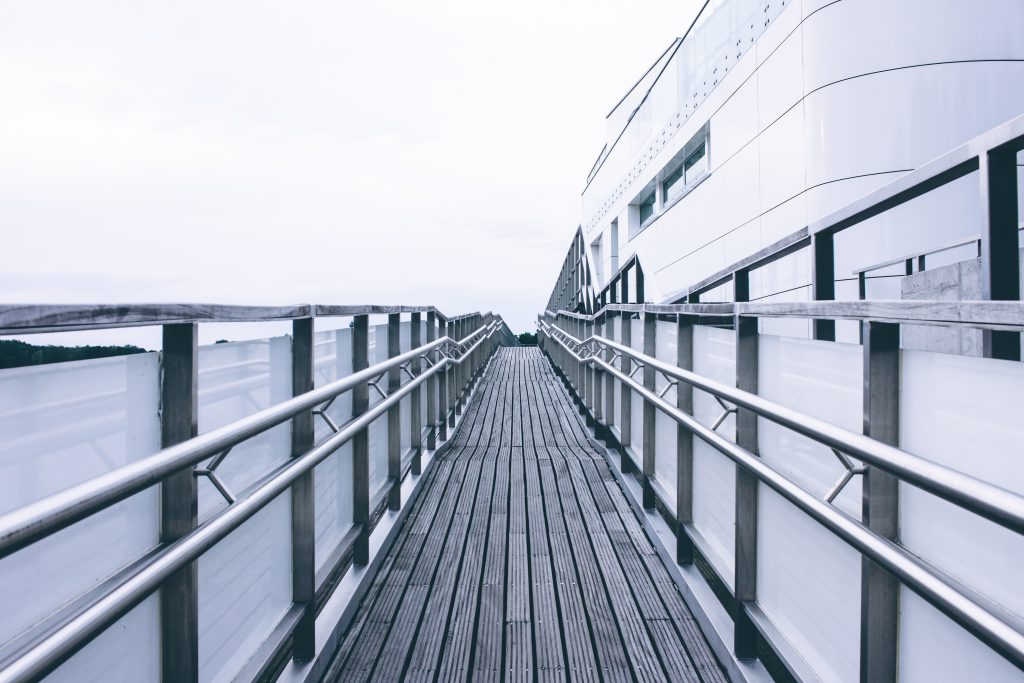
x=292, y=152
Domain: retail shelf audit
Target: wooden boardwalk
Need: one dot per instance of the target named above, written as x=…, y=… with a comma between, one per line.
x=521, y=560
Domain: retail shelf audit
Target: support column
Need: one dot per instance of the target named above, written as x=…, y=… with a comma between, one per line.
x=302, y=491
x=441, y=416
x=609, y=387
x=823, y=280
x=415, y=398
x=598, y=393
x=745, y=634
x=879, y=605
x=684, y=444
x=394, y=415
x=1000, y=248
x=361, y=442
x=625, y=398
x=179, y=503
x=650, y=416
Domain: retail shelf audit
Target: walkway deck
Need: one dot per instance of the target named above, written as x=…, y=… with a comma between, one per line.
x=521, y=559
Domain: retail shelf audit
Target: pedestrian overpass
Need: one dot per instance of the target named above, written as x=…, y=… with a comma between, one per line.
x=673, y=491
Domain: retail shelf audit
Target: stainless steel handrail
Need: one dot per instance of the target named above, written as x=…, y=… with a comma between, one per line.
x=47, y=650
x=996, y=627
x=28, y=524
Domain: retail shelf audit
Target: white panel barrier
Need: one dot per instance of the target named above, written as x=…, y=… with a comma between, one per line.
x=965, y=413
x=636, y=402
x=714, y=475
x=245, y=580
x=809, y=580
x=665, y=460
x=333, y=477
x=60, y=425
x=378, y=430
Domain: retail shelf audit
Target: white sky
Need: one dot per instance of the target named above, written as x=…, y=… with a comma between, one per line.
x=292, y=152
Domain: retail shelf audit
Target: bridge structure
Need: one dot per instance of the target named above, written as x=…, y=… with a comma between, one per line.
x=685, y=490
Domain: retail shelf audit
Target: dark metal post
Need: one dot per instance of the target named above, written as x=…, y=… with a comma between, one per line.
x=684, y=444
x=598, y=395
x=823, y=280
x=394, y=415
x=441, y=416
x=416, y=421
x=650, y=349
x=745, y=635
x=179, y=503
x=626, y=428
x=452, y=378
x=361, y=442
x=303, y=511
x=1000, y=247
x=609, y=386
x=879, y=603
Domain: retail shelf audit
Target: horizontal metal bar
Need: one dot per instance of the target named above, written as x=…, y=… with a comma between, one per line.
x=49, y=650
x=996, y=628
x=37, y=520
x=980, y=497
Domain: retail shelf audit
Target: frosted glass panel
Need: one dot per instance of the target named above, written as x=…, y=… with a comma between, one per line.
x=665, y=457
x=378, y=431
x=60, y=425
x=333, y=477
x=963, y=412
x=245, y=584
x=128, y=650
x=237, y=379
x=808, y=583
x=817, y=378
x=636, y=438
x=714, y=475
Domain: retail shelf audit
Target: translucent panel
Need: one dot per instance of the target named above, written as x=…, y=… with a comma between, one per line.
x=714, y=475
x=963, y=412
x=635, y=401
x=808, y=583
x=665, y=457
x=817, y=378
x=60, y=425
x=245, y=584
x=379, y=429
x=237, y=379
x=128, y=650
x=333, y=477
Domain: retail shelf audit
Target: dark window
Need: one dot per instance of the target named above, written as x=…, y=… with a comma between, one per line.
x=646, y=208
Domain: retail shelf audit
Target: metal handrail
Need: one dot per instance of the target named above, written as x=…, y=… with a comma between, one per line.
x=996, y=627
x=28, y=524
x=109, y=602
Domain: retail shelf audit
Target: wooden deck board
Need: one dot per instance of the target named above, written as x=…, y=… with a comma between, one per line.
x=522, y=559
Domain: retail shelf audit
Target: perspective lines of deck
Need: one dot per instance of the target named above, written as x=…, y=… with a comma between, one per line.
x=521, y=559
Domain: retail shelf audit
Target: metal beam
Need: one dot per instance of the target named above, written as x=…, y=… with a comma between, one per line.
x=303, y=496
x=361, y=442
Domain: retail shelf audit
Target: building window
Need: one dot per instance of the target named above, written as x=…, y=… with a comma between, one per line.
x=647, y=207
x=696, y=164
x=673, y=185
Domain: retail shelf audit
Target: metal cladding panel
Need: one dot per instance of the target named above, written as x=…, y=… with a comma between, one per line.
x=378, y=431
x=60, y=425
x=237, y=379
x=636, y=402
x=808, y=581
x=332, y=479
x=714, y=475
x=665, y=461
x=963, y=412
x=245, y=587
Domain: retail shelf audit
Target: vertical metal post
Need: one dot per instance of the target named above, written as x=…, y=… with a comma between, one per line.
x=394, y=415
x=302, y=491
x=609, y=385
x=650, y=349
x=745, y=636
x=879, y=604
x=598, y=395
x=179, y=503
x=441, y=416
x=460, y=369
x=361, y=442
x=1000, y=248
x=588, y=331
x=626, y=396
x=415, y=398
x=452, y=378
x=684, y=444
x=823, y=280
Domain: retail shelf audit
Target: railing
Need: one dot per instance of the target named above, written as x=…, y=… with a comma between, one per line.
x=442, y=369
x=803, y=420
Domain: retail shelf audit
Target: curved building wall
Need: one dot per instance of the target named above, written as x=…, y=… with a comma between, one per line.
x=833, y=100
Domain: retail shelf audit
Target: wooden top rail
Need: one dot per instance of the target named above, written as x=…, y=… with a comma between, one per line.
x=39, y=318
